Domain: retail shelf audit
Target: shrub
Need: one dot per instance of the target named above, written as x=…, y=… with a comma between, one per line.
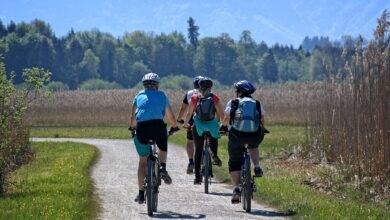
x=98, y=84
x=14, y=133
x=56, y=86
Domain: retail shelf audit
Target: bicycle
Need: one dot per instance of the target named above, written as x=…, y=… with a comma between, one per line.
x=153, y=176
x=207, y=166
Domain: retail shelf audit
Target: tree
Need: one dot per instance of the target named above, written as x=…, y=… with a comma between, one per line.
x=217, y=58
x=268, y=70
x=3, y=30
x=168, y=55
x=89, y=66
x=193, y=33
x=247, y=54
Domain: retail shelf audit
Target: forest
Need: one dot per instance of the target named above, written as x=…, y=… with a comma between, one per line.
x=91, y=57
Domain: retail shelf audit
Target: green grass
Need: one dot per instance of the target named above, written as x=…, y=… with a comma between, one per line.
x=279, y=187
x=55, y=185
x=81, y=132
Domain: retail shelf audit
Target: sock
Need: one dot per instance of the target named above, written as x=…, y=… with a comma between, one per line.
x=191, y=161
x=141, y=192
x=235, y=187
x=258, y=165
x=163, y=165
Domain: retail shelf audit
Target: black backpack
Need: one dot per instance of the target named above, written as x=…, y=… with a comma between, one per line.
x=205, y=109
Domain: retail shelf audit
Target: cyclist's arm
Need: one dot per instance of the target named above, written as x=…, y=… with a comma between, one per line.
x=171, y=116
x=133, y=123
x=189, y=113
x=182, y=111
x=220, y=113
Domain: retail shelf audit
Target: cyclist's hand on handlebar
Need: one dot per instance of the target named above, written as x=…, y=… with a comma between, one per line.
x=132, y=129
x=223, y=129
x=173, y=130
x=180, y=121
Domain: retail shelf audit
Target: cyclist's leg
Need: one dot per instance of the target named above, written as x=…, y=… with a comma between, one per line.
x=143, y=152
x=142, y=166
x=236, y=152
x=190, y=152
x=214, y=149
x=254, y=154
x=199, y=142
x=190, y=146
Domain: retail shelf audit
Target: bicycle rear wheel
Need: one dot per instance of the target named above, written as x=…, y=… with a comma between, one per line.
x=149, y=186
x=155, y=185
x=206, y=167
x=247, y=186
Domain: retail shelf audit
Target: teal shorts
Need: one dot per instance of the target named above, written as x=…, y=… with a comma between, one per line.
x=142, y=149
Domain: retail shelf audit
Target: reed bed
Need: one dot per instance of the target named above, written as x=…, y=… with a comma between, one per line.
x=349, y=120
x=282, y=103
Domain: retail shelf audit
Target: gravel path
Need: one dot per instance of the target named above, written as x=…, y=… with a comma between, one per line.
x=115, y=177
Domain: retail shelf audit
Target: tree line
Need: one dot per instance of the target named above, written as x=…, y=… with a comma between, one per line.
x=81, y=56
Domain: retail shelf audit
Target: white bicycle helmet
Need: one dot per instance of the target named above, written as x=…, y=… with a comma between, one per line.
x=150, y=79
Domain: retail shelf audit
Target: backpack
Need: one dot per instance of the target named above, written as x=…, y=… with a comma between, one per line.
x=247, y=116
x=205, y=109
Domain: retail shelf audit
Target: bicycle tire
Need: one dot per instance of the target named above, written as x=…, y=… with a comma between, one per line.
x=206, y=167
x=155, y=184
x=149, y=186
x=247, y=186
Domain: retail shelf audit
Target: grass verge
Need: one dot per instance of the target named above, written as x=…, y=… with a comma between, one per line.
x=55, y=185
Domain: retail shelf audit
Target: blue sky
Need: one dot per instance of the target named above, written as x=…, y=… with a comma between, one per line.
x=272, y=21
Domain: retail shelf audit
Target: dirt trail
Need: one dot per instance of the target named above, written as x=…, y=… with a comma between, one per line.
x=115, y=176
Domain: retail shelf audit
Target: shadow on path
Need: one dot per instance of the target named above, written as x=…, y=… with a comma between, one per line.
x=267, y=213
x=220, y=194
x=175, y=215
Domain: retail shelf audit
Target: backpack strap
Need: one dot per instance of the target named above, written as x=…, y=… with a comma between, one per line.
x=258, y=107
x=233, y=109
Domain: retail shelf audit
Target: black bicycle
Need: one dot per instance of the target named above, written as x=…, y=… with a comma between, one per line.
x=207, y=166
x=153, y=179
x=247, y=182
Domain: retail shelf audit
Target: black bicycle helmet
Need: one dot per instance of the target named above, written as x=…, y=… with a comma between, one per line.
x=196, y=81
x=245, y=87
x=205, y=82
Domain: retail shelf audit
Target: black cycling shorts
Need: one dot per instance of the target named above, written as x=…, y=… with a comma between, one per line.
x=153, y=130
x=236, y=146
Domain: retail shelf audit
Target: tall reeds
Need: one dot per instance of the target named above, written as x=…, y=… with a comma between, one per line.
x=349, y=120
